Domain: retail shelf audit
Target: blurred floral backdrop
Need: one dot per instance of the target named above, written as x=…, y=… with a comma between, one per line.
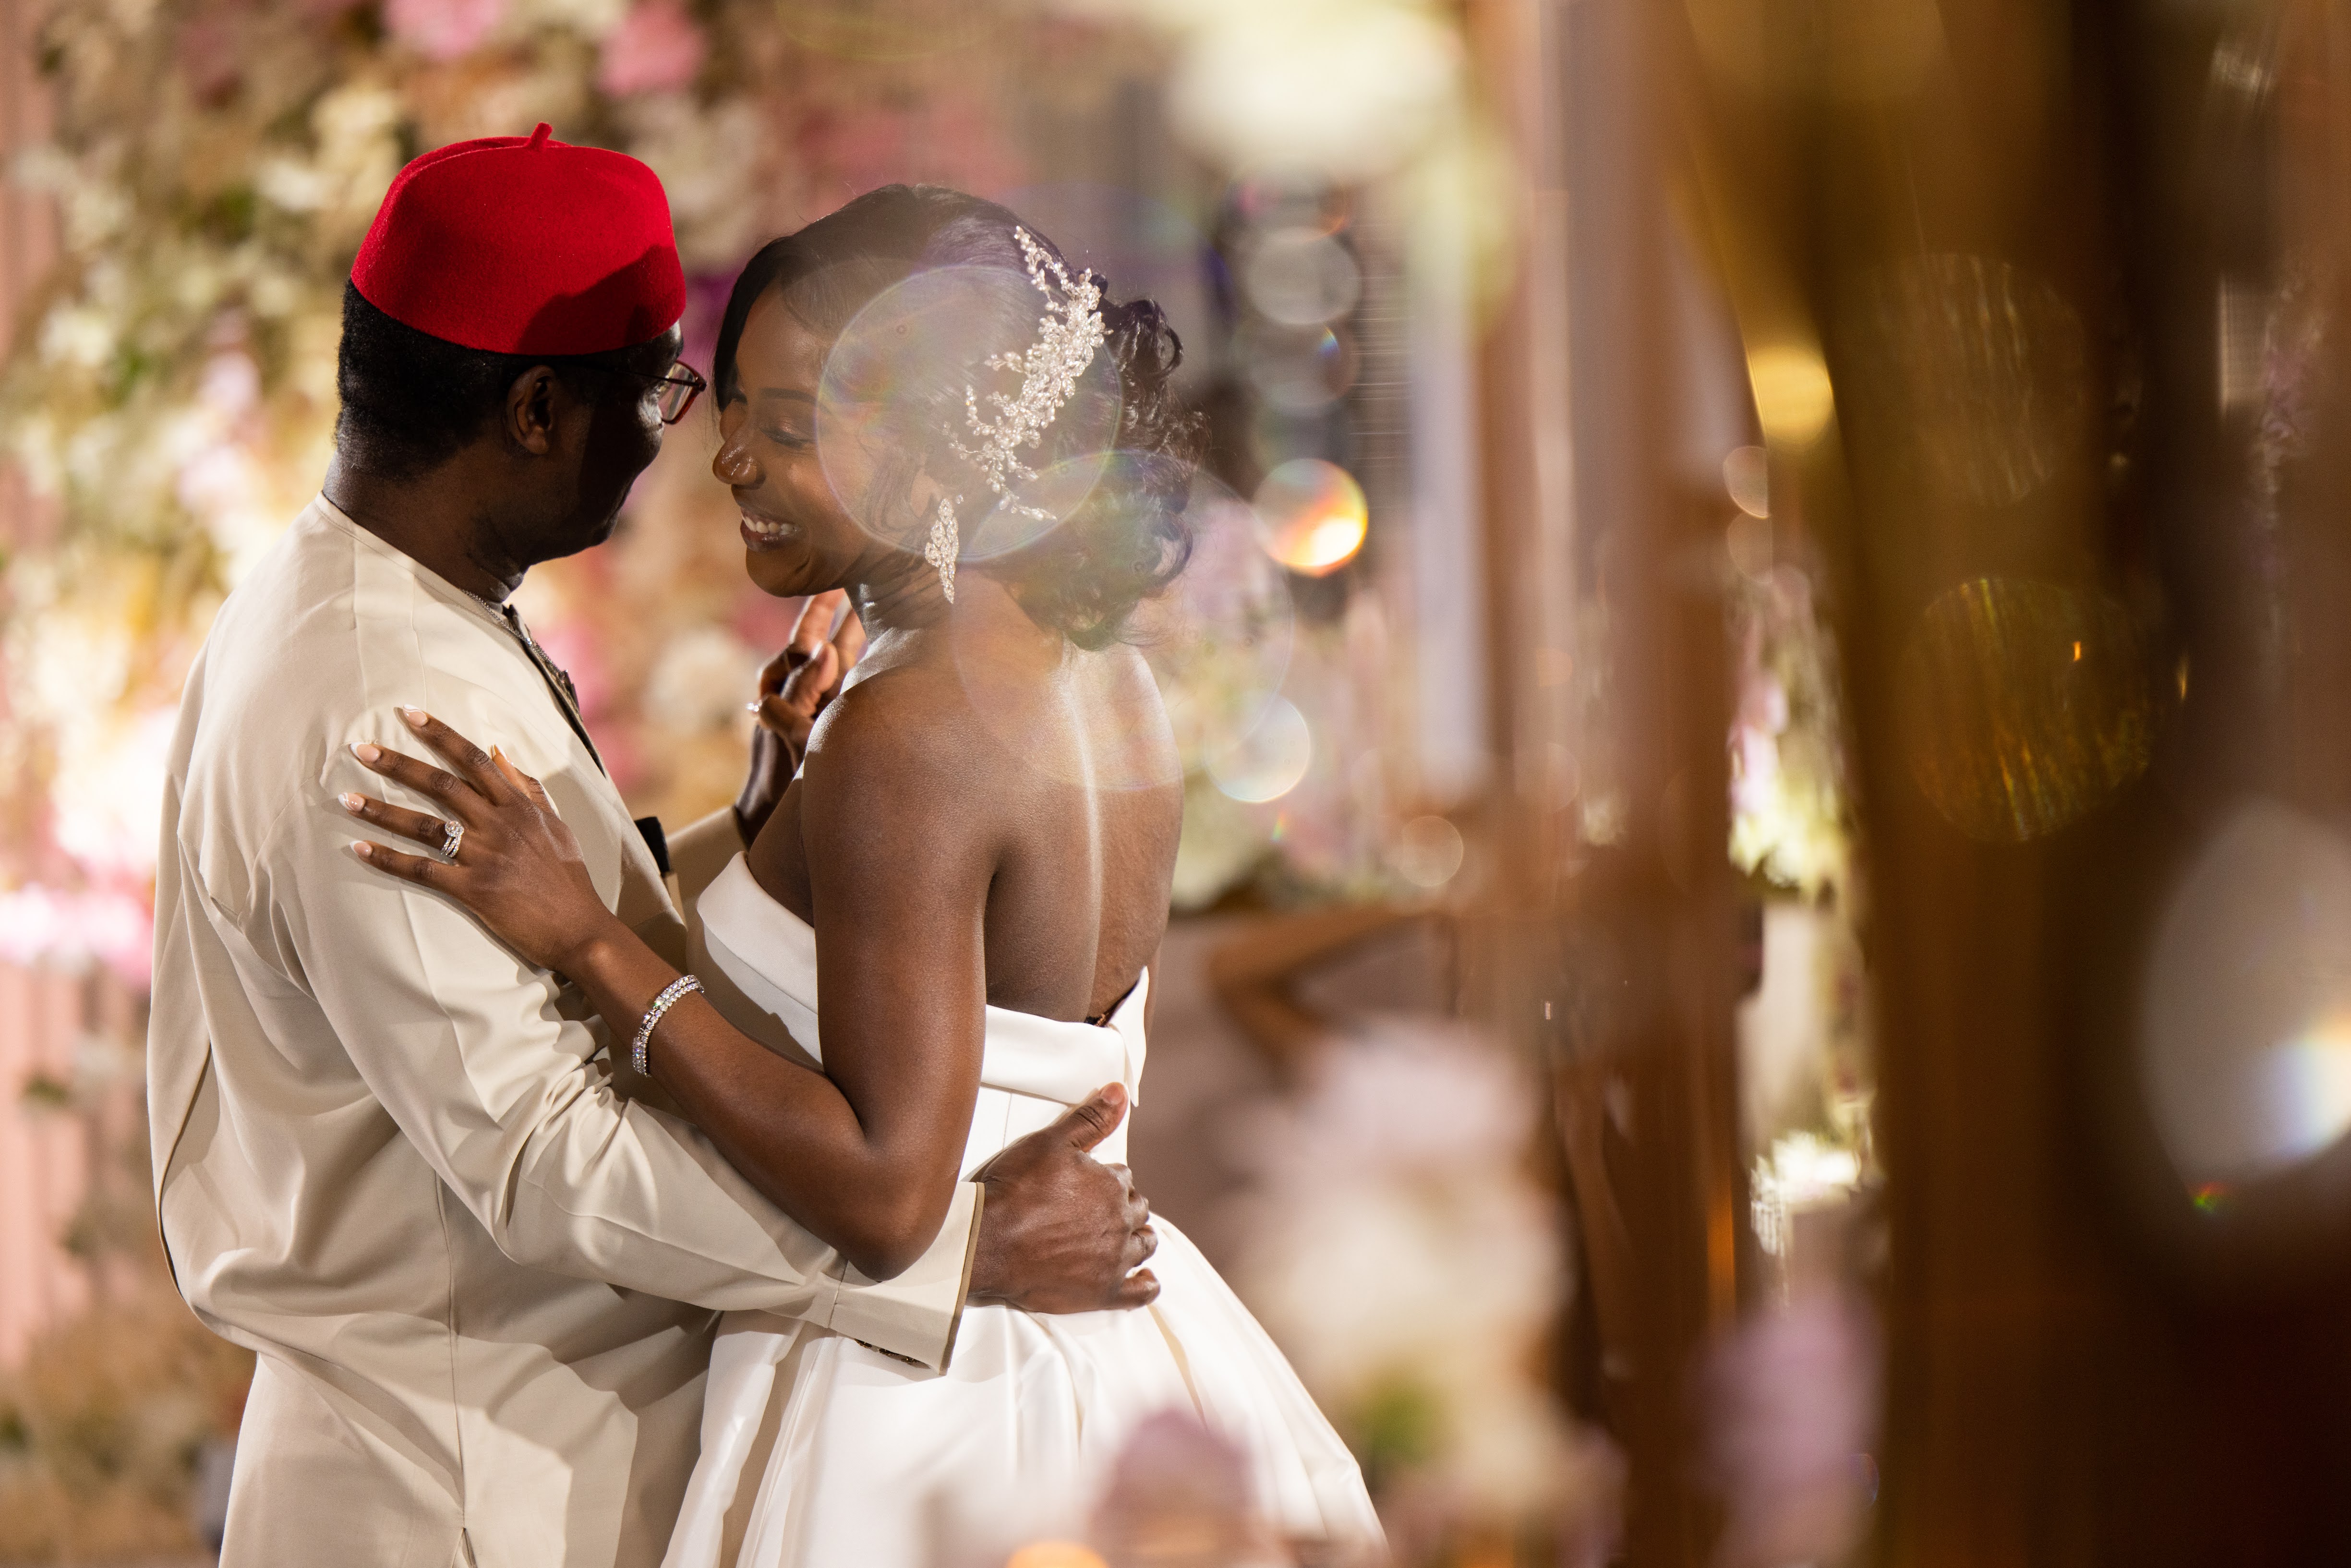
x=215, y=165
x=1312, y=190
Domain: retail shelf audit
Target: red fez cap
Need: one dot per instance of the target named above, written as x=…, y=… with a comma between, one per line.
x=524, y=246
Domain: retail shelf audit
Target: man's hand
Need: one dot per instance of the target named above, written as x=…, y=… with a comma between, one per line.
x=1061, y=1232
x=793, y=689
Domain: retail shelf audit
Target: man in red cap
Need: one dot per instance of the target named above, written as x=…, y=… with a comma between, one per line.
x=392, y=1157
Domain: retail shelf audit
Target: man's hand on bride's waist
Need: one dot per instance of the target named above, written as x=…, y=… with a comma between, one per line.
x=1060, y=1231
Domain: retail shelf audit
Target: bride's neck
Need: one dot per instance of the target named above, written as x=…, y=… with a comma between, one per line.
x=985, y=611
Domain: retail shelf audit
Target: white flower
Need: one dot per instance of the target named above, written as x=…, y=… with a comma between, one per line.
x=292, y=184
x=77, y=335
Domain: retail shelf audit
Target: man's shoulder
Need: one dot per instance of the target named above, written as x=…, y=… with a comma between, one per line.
x=316, y=649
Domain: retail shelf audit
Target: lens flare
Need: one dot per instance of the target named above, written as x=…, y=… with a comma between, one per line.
x=1219, y=641
x=1427, y=852
x=1313, y=515
x=1215, y=642
x=2245, y=1047
x=1268, y=761
x=1747, y=478
x=1975, y=371
x=2012, y=732
x=891, y=403
x=1302, y=277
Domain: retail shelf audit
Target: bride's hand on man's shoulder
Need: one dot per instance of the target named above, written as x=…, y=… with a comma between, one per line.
x=494, y=843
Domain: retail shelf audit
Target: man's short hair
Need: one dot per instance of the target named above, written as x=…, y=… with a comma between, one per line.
x=412, y=401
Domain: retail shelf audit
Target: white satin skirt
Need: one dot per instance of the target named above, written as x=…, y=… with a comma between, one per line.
x=819, y=1450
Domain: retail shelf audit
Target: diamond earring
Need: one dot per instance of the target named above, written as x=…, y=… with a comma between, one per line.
x=945, y=542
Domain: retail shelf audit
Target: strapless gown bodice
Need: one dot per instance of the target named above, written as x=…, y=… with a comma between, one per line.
x=817, y=1450
x=759, y=964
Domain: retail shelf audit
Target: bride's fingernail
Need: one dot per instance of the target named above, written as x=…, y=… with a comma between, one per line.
x=415, y=715
x=363, y=848
x=366, y=753
x=352, y=802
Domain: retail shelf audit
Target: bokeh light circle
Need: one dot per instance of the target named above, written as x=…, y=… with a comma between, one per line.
x=1219, y=641
x=1977, y=369
x=890, y=404
x=1747, y=479
x=1298, y=370
x=1428, y=851
x=2245, y=1038
x=1302, y=277
x=1314, y=516
x=2024, y=706
x=1268, y=761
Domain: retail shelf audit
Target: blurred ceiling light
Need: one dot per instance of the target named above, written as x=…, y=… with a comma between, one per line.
x=1349, y=89
x=1314, y=516
x=1792, y=394
x=1302, y=277
x=2245, y=1047
x=1747, y=476
x=1267, y=762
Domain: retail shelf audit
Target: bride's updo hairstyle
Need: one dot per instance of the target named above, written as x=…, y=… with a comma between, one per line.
x=1120, y=536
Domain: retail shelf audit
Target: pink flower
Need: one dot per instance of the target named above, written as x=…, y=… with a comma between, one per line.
x=443, y=29
x=656, y=48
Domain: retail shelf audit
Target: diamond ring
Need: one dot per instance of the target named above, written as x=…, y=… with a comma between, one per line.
x=452, y=835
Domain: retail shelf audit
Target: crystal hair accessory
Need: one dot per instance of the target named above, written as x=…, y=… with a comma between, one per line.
x=945, y=543
x=1068, y=335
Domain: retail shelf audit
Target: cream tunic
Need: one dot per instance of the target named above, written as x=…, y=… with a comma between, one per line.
x=390, y=1155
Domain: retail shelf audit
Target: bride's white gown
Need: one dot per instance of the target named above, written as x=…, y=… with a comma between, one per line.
x=817, y=1450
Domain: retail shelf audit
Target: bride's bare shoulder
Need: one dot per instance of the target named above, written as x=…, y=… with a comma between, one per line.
x=901, y=721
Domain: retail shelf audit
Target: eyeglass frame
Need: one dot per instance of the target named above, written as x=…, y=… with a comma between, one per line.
x=694, y=384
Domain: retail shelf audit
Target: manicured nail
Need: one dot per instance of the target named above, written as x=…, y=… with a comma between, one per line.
x=363, y=848
x=415, y=715
x=352, y=802
x=366, y=753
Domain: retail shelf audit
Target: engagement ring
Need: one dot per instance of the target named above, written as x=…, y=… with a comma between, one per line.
x=452, y=835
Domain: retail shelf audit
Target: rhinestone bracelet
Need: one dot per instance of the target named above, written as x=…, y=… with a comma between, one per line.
x=670, y=994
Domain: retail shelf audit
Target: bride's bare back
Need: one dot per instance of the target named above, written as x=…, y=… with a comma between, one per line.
x=1053, y=767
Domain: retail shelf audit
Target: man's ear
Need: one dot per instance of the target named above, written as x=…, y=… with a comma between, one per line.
x=527, y=420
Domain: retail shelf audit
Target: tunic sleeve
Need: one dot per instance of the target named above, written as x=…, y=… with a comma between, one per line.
x=472, y=1052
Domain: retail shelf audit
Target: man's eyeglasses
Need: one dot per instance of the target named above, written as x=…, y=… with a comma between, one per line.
x=678, y=391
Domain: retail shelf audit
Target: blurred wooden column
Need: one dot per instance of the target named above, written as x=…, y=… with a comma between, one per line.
x=1618, y=965
x=1970, y=197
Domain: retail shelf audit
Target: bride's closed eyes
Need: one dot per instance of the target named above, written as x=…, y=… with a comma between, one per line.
x=786, y=418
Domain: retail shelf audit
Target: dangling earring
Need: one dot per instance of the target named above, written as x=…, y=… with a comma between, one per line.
x=944, y=543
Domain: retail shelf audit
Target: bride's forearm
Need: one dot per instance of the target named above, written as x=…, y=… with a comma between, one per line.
x=791, y=1131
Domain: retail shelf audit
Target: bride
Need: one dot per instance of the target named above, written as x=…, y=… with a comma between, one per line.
x=922, y=404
